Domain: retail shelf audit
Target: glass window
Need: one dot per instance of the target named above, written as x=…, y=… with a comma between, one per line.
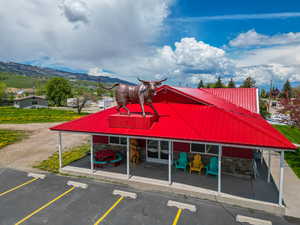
x=123, y=141
x=114, y=140
x=198, y=148
x=164, y=145
x=212, y=149
x=152, y=144
x=118, y=140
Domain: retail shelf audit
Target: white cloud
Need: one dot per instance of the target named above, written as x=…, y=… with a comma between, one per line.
x=96, y=71
x=75, y=10
x=111, y=33
x=189, y=57
x=252, y=38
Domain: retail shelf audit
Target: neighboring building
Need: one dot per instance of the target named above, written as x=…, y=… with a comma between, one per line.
x=219, y=123
x=31, y=102
x=72, y=102
x=106, y=102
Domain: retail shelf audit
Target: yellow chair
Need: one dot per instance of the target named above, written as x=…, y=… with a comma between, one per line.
x=196, y=164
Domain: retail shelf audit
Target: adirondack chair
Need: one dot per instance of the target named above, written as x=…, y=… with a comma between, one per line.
x=212, y=168
x=196, y=164
x=182, y=161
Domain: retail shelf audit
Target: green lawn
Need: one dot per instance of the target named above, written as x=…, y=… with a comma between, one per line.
x=10, y=136
x=293, y=134
x=52, y=163
x=292, y=158
x=14, y=115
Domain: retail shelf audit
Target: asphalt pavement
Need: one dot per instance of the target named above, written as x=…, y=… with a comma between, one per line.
x=36, y=201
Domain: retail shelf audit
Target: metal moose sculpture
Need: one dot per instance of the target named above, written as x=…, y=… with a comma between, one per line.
x=141, y=94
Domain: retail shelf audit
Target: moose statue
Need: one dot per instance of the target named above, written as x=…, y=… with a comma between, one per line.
x=141, y=94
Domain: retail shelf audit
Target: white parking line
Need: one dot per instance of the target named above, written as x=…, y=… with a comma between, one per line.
x=36, y=175
x=181, y=205
x=77, y=184
x=125, y=194
x=251, y=220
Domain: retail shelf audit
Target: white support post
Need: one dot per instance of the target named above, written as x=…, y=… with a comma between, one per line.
x=281, y=177
x=128, y=159
x=269, y=166
x=92, y=154
x=219, y=167
x=261, y=156
x=60, y=150
x=170, y=161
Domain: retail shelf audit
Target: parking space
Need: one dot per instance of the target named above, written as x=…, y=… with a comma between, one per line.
x=52, y=201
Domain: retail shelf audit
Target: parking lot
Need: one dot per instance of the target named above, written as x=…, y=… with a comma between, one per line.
x=33, y=200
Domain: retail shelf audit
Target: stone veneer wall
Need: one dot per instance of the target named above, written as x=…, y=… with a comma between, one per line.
x=230, y=165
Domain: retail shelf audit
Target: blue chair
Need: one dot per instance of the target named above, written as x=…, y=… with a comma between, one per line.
x=182, y=162
x=213, y=166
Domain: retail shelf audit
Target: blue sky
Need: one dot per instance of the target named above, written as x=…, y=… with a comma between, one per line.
x=184, y=40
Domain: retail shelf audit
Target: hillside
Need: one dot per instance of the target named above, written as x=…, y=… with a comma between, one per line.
x=33, y=72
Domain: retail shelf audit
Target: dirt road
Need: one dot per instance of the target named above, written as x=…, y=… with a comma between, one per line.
x=38, y=146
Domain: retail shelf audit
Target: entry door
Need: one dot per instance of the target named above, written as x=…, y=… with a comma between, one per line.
x=157, y=151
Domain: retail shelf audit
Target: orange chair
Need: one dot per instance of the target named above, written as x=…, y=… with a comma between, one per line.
x=196, y=164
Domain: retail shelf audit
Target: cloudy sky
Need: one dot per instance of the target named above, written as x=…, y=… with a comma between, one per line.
x=184, y=40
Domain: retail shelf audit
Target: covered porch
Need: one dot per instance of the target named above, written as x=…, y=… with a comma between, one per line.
x=262, y=188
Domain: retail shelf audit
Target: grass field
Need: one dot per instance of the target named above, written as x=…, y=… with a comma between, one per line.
x=292, y=158
x=10, y=136
x=19, y=81
x=13, y=115
x=293, y=134
x=52, y=163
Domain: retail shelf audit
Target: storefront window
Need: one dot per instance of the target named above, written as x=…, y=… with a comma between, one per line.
x=198, y=148
x=117, y=140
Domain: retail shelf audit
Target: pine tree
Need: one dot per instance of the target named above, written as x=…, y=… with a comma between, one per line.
x=287, y=89
x=249, y=82
x=219, y=83
x=231, y=84
x=201, y=85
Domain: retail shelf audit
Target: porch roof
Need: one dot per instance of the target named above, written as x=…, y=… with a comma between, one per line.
x=190, y=122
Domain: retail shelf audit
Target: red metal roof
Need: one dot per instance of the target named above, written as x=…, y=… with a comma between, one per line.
x=203, y=96
x=193, y=122
x=244, y=97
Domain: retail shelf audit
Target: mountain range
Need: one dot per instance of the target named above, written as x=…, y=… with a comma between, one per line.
x=29, y=70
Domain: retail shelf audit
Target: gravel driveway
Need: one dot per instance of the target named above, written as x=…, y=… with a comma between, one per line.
x=38, y=146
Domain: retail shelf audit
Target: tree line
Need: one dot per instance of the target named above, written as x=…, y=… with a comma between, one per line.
x=249, y=82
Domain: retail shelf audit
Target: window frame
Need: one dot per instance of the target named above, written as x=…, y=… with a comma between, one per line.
x=206, y=150
x=119, y=143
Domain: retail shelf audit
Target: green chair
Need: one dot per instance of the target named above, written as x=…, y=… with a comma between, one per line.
x=182, y=162
x=213, y=167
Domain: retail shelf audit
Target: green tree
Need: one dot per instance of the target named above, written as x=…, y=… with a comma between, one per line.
x=201, y=85
x=2, y=90
x=100, y=90
x=287, y=89
x=82, y=96
x=263, y=93
x=219, y=83
x=231, y=83
x=39, y=88
x=249, y=82
x=58, y=90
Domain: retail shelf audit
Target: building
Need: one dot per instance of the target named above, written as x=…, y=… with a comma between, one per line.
x=221, y=123
x=31, y=102
x=106, y=102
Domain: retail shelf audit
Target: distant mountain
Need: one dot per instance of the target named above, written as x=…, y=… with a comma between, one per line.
x=29, y=70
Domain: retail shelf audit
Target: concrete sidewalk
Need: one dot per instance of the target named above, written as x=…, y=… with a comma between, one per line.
x=291, y=187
